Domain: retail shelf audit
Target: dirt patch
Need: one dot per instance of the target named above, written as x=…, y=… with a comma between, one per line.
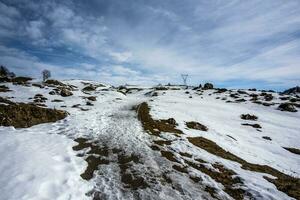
x=196, y=125
x=155, y=127
x=129, y=178
x=285, y=183
x=292, y=150
x=100, y=155
x=162, y=142
x=180, y=168
x=224, y=176
x=95, y=156
x=185, y=154
x=23, y=115
x=169, y=155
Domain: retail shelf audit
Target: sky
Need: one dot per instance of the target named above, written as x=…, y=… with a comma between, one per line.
x=231, y=43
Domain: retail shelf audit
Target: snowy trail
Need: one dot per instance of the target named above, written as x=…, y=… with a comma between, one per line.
x=116, y=127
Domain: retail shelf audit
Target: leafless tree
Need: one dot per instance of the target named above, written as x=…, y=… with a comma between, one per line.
x=184, y=78
x=46, y=74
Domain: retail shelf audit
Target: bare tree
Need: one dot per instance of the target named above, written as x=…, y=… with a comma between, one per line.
x=184, y=78
x=46, y=74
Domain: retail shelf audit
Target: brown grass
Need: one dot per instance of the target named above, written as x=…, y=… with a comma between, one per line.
x=155, y=127
x=292, y=150
x=23, y=115
x=95, y=157
x=285, y=183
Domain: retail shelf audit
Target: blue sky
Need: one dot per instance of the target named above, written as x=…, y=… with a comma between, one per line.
x=231, y=43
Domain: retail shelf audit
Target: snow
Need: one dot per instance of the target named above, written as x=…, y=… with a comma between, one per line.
x=35, y=165
x=39, y=163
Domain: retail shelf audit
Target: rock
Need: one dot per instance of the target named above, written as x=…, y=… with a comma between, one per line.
x=161, y=88
x=266, y=138
x=249, y=117
x=196, y=125
x=39, y=98
x=52, y=82
x=253, y=125
x=287, y=107
x=197, y=88
x=21, y=80
x=221, y=90
x=240, y=100
x=89, y=88
x=268, y=97
x=76, y=106
x=37, y=85
x=294, y=90
x=88, y=103
x=235, y=95
x=52, y=92
x=92, y=98
x=154, y=94
x=208, y=86
x=242, y=92
x=172, y=121
x=65, y=92
x=57, y=100
x=4, y=88
x=23, y=115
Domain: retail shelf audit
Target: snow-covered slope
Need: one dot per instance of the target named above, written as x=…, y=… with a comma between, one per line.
x=43, y=162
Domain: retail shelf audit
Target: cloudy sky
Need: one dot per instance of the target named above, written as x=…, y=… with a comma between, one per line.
x=232, y=43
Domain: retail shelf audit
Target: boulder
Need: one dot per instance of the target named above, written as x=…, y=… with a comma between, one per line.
x=208, y=86
x=287, y=107
x=23, y=115
x=65, y=92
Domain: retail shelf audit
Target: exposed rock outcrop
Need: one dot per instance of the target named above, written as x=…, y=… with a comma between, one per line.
x=21, y=115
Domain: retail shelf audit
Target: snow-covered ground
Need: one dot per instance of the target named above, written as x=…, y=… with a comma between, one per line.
x=39, y=162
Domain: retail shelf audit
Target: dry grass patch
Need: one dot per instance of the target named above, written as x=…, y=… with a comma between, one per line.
x=155, y=127
x=292, y=150
x=21, y=115
x=285, y=183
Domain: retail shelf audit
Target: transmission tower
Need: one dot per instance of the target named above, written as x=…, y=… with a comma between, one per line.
x=184, y=78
